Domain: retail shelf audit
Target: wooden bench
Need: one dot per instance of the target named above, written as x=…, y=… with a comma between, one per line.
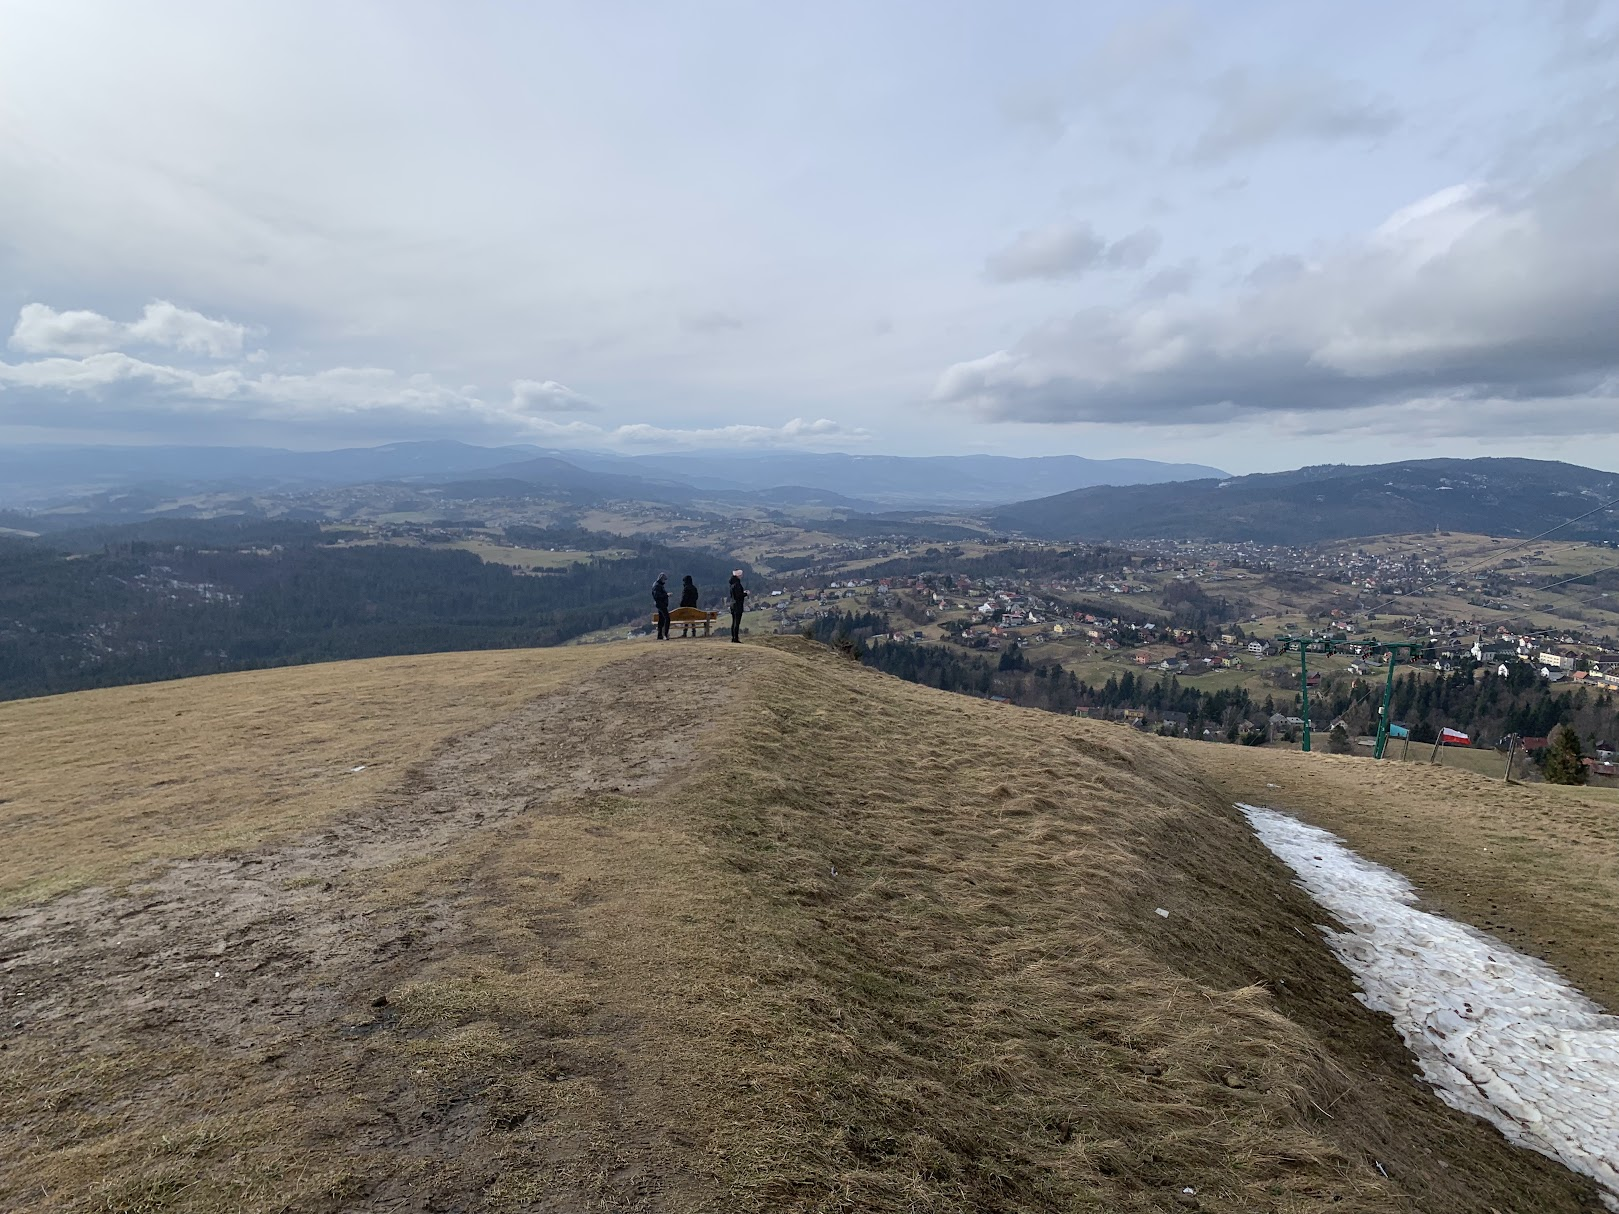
x=688, y=618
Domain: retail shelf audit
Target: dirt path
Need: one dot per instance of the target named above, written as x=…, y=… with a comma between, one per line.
x=248, y=987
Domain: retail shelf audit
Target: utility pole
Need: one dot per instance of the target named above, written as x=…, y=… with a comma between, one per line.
x=1512, y=749
x=1304, y=693
x=1383, y=713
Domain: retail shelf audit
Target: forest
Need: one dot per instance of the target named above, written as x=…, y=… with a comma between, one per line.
x=1487, y=707
x=131, y=605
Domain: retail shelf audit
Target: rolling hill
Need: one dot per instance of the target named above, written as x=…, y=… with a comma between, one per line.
x=1508, y=497
x=947, y=482
x=33, y=475
x=472, y=932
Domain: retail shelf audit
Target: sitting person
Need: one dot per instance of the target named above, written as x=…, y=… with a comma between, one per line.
x=688, y=598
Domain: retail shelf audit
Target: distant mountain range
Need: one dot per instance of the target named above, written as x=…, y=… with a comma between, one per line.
x=940, y=482
x=34, y=475
x=1492, y=496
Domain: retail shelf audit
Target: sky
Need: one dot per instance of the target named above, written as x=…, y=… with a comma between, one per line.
x=1256, y=236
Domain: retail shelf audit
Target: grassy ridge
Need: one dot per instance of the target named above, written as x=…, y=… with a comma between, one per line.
x=747, y=928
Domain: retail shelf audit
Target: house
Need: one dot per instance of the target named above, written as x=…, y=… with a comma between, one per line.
x=1600, y=767
x=1142, y=659
x=1258, y=648
x=1493, y=650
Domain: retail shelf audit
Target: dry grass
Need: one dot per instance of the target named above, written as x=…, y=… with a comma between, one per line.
x=1537, y=864
x=94, y=782
x=872, y=947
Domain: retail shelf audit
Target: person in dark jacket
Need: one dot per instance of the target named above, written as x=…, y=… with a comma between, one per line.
x=737, y=594
x=688, y=598
x=660, y=600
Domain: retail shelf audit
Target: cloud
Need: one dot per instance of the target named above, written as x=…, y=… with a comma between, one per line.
x=1171, y=280
x=710, y=322
x=112, y=388
x=548, y=396
x=41, y=329
x=797, y=432
x=1249, y=112
x=1469, y=294
x=1068, y=250
x=1133, y=251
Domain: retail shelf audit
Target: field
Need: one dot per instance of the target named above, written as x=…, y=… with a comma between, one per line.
x=530, y=558
x=678, y=928
x=487, y=549
x=179, y=768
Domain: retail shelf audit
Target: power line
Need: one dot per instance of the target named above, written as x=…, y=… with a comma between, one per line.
x=1577, y=577
x=1495, y=556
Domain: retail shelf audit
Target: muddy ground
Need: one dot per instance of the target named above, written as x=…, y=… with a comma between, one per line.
x=251, y=984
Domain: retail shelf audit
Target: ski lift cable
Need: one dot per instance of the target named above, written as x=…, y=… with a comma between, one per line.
x=1495, y=556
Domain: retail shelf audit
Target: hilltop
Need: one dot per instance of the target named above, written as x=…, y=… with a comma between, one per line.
x=1334, y=501
x=678, y=927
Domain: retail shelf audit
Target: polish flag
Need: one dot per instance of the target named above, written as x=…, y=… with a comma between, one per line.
x=1454, y=737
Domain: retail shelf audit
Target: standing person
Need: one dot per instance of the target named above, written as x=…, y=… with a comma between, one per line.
x=660, y=600
x=736, y=594
x=688, y=598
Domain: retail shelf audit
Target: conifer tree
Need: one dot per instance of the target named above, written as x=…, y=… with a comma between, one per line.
x=1563, y=764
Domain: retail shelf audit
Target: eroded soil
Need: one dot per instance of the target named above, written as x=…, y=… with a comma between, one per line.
x=250, y=987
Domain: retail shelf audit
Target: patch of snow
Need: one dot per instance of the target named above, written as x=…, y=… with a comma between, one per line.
x=1498, y=1034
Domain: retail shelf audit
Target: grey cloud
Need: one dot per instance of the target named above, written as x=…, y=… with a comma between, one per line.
x=1171, y=280
x=1040, y=112
x=1273, y=271
x=41, y=329
x=710, y=322
x=115, y=389
x=1068, y=250
x=1248, y=113
x=1062, y=250
x=548, y=396
x=1133, y=251
x=1416, y=311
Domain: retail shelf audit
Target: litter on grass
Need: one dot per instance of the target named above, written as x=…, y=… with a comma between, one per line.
x=1498, y=1034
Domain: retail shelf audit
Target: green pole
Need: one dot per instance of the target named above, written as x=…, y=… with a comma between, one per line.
x=1383, y=719
x=1304, y=692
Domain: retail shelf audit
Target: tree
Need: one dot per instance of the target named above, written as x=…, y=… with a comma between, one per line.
x=1563, y=764
x=1338, y=741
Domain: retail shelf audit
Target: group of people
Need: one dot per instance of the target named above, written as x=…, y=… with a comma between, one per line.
x=736, y=595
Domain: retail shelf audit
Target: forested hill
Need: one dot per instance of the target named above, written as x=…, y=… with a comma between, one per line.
x=160, y=601
x=1490, y=496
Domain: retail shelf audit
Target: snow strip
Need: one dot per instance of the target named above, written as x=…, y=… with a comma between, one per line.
x=1497, y=1034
